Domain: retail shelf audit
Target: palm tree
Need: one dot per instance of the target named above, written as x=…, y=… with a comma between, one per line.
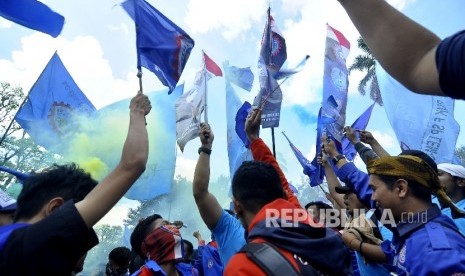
x=366, y=62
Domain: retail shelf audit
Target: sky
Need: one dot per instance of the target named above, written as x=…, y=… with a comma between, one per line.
x=97, y=45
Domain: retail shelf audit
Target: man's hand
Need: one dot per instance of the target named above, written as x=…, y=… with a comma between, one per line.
x=322, y=159
x=179, y=224
x=366, y=137
x=197, y=235
x=252, y=124
x=328, y=146
x=351, y=134
x=140, y=103
x=205, y=132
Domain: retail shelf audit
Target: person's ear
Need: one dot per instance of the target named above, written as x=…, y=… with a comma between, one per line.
x=238, y=208
x=53, y=204
x=401, y=187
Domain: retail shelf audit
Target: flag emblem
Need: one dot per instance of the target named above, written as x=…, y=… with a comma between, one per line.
x=60, y=117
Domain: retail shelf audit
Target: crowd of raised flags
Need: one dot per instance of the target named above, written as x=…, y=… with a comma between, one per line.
x=163, y=48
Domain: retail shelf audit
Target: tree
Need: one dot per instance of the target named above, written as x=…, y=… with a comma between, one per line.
x=17, y=150
x=110, y=237
x=460, y=152
x=366, y=62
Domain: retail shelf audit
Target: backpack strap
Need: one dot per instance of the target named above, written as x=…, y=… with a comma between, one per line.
x=268, y=258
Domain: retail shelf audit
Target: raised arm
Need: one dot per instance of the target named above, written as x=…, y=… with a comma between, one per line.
x=261, y=152
x=348, y=173
x=403, y=47
x=209, y=208
x=332, y=181
x=132, y=164
x=367, y=137
x=365, y=152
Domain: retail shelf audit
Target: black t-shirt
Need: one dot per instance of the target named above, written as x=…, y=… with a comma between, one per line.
x=51, y=246
x=450, y=61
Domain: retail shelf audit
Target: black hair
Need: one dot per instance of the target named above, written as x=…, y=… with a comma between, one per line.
x=256, y=184
x=423, y=156
x=189, y=251
x=142, y=229
x=319, y=205
x=120, y=255
x=419, y=191
x=67, y=181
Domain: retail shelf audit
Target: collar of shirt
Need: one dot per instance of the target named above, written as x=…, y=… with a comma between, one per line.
x=415, y=221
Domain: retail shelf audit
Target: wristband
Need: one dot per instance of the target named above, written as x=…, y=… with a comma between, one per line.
x=338, y=158
x=205, y=150
x=360, y=248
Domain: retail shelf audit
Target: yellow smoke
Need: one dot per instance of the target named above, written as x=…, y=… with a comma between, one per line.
x=94, y=166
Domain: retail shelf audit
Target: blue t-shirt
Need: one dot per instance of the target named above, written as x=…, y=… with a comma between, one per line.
x=229, y=235
x=460, y=222
x=450, y=62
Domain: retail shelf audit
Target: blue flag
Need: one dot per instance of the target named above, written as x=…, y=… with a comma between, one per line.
x=242, y=77
x=158, y=176
x=335, y=81
x=53, y=105
x=317, y=172
x=272, y=56
x=32, y=14
x=285, y=73
x=162, y=47
x=237, y=152
x=360, y=124
x=241, y=117
x=429, y=126
x=19, y=175
x=309, y=169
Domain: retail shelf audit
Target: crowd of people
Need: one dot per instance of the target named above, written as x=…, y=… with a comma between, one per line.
x=405, y=216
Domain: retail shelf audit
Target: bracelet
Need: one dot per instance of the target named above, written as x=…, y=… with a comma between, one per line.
x=205, y=150
x=360, y=248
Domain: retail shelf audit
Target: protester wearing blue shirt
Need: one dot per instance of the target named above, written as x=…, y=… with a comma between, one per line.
x=425, y=241
x=452, y=178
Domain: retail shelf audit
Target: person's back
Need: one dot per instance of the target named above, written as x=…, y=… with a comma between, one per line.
x=57, y=208
x=261, y=205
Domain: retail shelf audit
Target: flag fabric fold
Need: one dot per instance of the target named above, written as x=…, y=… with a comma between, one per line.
x=53, y=106
x=19, y=175
x=242, y=77
x=273, y=54
x=190, y=106
x=158, y=176
x=317, y=173
x=429, y=127
x=285, y=73
x=162, y=46
x=308, y=168
x=335, y=81
x=241, y=117
x=237, y=151
x=211, y=67
x=360, y=124
x=32, y=14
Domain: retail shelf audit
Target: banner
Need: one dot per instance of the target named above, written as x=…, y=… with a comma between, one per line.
x=335, y=81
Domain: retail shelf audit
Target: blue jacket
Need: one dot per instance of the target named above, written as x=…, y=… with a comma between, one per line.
x=358, y=181
x=429, y=244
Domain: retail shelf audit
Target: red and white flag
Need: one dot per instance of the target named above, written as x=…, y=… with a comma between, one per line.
x=211, y=67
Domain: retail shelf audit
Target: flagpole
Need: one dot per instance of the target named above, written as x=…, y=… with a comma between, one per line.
x=139, y=76
x=205, y=110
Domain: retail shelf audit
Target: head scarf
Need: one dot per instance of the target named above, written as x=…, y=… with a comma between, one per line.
x=412, y=168
x=452, y=169
x=163, y=244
